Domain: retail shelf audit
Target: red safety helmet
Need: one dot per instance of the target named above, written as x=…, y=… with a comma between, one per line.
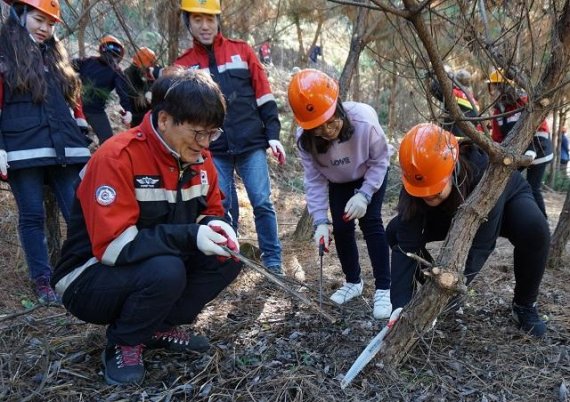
x=49, y=7
x=313, y=96
x=144, y=58
x=427, y=156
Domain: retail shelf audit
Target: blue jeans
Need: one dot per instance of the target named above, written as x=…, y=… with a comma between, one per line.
x=372, y=228
x=28, y=189
x=254, y=172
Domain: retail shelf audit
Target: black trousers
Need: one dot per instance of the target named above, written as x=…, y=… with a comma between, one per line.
x=534, y=176
x=135, y=301
x=372, y=228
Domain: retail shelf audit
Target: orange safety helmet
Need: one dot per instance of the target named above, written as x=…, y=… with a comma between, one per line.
x=427, y=155
x=111, y=44
x=144, y=58
x=201, y=6
x=49, y=7
x=313, y=96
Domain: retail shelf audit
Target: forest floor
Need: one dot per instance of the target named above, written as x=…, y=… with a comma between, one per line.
x=266, y=346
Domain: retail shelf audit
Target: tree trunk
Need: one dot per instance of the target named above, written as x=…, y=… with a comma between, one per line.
x=304, y=229
x=356, y=46
x=82, y=26
x=173, y=29
x=560, y=236
x=302, y=57
x=392, y=104
x=53, y=228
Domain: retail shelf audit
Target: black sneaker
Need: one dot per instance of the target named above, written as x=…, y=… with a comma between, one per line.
x=123, y=364
x=528, y=320
x=276, y=270
x=176, y=340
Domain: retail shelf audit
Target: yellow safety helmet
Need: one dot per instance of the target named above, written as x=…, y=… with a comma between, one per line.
x=498, y=77
x=201, y=6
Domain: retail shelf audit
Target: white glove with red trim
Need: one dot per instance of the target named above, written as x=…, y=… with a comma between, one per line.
x=278, y=151
x=227, y=231
x=209, y=242
x=4, y=164
x=323, y=236
x=356, y=207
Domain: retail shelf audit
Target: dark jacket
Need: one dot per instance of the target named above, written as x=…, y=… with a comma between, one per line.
x=40, y=134
x=252, y=118
x=99, y=79
x=464, y=104
x=541, y=144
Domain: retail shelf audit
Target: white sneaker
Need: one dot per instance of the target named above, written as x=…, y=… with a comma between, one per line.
x=347, y=292
x=382, y=304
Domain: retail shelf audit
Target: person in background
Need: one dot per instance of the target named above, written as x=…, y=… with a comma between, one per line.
x=438, y=175
x=346, y=157
x=41, y=138
x=508, y=106
x=564, y=154
x=265, y=53
x=461, y=95
x=140, y=75
x=143, y=253
x=252, y=122
x=100, y=76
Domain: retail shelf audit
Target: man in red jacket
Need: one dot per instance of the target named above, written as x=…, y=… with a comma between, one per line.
x=143, y=253
x=251, y=125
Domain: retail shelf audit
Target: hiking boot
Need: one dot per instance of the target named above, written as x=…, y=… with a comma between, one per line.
x=176, y=340
x=382, y=304
x=123, y=364
x=276, y=270
x=347, y=292
x=44, y=291
x=528, y=320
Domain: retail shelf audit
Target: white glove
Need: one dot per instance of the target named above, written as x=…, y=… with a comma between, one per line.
x=531, y=153
x=209, y=241
x=4, y=164
x=148, y=96
x=227, y=231
x=323, y=232
x=127, y=118
x=356, y=207
x=278, y=151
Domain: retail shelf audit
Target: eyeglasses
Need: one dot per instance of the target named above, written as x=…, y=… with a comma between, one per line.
x=328, y=128
x=211, y=134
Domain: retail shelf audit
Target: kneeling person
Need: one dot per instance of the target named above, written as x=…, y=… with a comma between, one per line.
x=143, y=249
x=438, y=174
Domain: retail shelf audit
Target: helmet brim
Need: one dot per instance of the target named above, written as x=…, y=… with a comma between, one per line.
x=425, y=191
x=309, y=125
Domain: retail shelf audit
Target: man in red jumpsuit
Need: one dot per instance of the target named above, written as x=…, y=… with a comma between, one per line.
x=143, y=253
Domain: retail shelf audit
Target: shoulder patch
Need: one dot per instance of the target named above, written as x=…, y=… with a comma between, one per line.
x=105, y=195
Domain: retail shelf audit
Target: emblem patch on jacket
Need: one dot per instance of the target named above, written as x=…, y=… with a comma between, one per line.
x=147, y=181
x=105, y=195
x=203, y=177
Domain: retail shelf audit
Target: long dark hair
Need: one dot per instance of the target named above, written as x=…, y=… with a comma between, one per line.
x=465, y=178
x=23, y=62
x=315, y=145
